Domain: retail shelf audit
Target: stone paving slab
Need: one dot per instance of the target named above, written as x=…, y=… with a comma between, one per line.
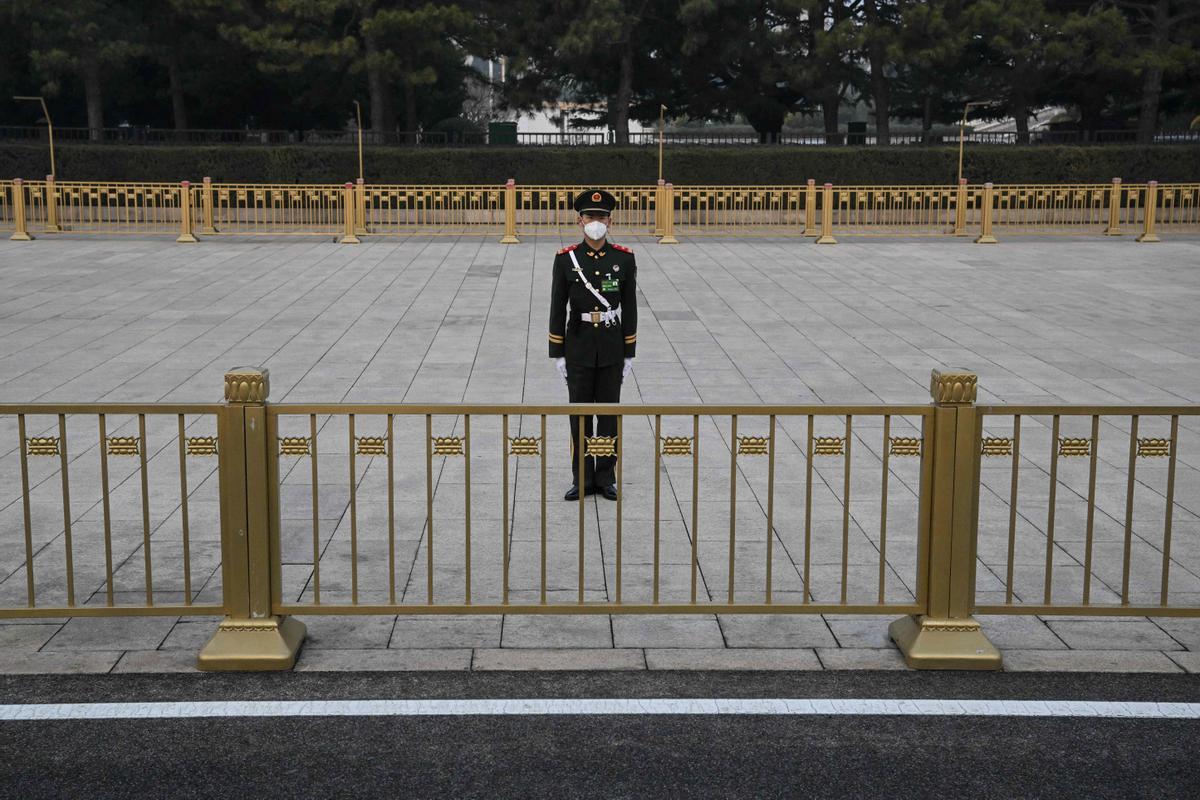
x=461, y=319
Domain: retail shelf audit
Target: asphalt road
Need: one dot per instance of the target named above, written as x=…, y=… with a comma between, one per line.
x=601, y=756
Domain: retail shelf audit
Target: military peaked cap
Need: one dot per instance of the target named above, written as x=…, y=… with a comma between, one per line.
x=592, y=201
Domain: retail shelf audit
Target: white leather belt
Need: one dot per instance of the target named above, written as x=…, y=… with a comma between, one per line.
x=609, y=317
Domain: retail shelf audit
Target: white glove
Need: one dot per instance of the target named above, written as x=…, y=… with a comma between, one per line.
x=561, y=364
x=628, y=368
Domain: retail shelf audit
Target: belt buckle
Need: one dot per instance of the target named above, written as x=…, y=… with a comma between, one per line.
x=595, y=317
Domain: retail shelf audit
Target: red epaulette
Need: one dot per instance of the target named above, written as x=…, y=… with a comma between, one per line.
x=567, y=249
x=621, y=248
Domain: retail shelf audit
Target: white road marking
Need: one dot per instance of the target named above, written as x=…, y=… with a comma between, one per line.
x=604, y=707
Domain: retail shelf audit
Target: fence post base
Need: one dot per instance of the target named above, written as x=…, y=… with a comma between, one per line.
x=929, y=643
x=510, y=213
x=253, y=645
x=668, y=215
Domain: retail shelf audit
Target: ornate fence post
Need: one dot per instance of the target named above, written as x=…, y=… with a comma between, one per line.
x=1149, y=212
x=810, y=208
x=960, y=209
x=206, y=207
x=946, y=636
x=659, y=225
x=348, y=204
x=826, y=236
x=668, y=194
x=21, y=230
x=510, y=213
x=185, y=214
x=985, y=218
x=250, y=637
x=1114, y=209
x=52, y=225
x=360, y=206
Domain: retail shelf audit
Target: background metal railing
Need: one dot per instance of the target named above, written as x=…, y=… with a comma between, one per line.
x=134, y=136
x=255, y=511
x=825, y=212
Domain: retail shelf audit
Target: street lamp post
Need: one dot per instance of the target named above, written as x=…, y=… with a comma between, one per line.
x=661, y=111
x=49, y=125
x=961, y=126
x=358, y=115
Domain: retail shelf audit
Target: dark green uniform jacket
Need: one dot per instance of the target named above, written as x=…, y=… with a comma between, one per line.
x=612, y=271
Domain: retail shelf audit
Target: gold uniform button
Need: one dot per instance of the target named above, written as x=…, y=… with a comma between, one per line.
x=595, y=308
x=595, y=324
x=597, y=272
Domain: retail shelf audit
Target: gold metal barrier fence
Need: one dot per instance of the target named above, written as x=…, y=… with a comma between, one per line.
x=115, y=511
x=1082, y=514
x=257, y=511
x=825, y=212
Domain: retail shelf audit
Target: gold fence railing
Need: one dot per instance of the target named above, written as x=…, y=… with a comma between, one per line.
x=115, y=510
x=257, y=511
x=825, y=212
x=1062, y=546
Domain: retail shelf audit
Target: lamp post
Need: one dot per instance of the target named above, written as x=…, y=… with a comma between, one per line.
x=49, y=125
x=661, y=111
x=358, y=115
x=961, y=126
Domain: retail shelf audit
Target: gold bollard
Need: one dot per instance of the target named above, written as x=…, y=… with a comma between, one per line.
x=826, y=236
x=348, y=204
x=945, y=635
x=510, y=213
x=21, y=232
x=249, y=637
x=985, y=218
x=810, y=208
x=1149, y=212
x=52, y=225
x=1114, y=209
x=185, y=214
x=206, y=207
x=360, y=207
x=658, y=208
x=668, y=236
x=960, y=209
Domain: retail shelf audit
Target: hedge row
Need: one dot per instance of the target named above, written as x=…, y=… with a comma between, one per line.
x=613, y=165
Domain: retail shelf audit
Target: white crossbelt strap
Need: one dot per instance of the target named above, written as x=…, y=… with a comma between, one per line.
x=588, y=284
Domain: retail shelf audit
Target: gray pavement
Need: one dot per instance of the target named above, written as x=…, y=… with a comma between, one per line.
x=723, y=320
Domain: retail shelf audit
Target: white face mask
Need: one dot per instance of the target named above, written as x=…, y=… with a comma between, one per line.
x=595, y=230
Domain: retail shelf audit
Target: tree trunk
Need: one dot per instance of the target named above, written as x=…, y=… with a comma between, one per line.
x=1152, y=77
x=377, y=89
x=927, y=120
x=94, y=98
x=620, y=111
x=876, y=56
x=1020, y=112
x=178, y=103
x=831, y=99
x=410, y=112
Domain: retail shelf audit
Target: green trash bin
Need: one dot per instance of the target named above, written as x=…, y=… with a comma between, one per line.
x=502, y=133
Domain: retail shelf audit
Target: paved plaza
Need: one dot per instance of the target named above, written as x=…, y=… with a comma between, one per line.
x=736, y=321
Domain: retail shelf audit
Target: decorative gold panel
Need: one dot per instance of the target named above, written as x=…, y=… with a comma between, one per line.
x=371, y=446
x=600, y=446
x=41, y=445
x=524, y=446
x=1068, y=447
x=124, y=445
x=447, y=445
x=905, y=446
x=752, y=445
x=295, y=445
x=829, y=445
x=1153, y=448
x=676, y=445
x=202, y=446
x=997, y=446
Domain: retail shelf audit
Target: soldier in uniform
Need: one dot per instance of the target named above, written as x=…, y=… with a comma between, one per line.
x=593, y=330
